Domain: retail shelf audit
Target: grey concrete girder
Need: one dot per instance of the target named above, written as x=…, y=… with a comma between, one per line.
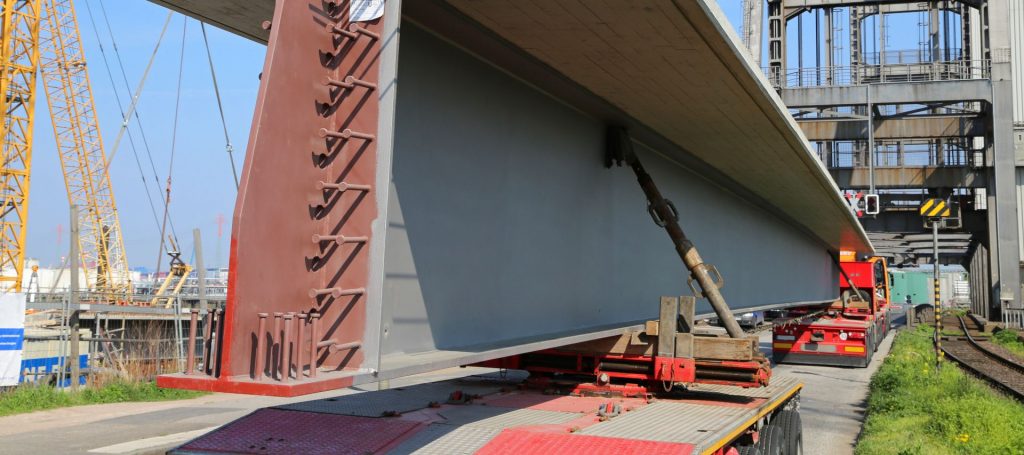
x=903, y=128
x=890, y=93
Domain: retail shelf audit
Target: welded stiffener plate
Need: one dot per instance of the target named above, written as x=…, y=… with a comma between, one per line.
x=296, y=305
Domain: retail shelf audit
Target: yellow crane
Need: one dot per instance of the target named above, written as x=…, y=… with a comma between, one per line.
x=43, y=35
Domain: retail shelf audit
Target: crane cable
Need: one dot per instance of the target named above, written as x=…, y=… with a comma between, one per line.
x=174, y=143
x=135, y=98
x=138, y=92
x=120, y=107
x=220, y=106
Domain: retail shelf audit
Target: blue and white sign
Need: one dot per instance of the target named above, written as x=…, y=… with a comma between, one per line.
x=12, y=336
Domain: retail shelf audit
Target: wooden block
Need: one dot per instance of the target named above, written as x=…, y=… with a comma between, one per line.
x=709, y=331
x=651, y=328
x=713, y=348
x=617, y=345
x=687, y=307
x=684, y=345
x=668, y=321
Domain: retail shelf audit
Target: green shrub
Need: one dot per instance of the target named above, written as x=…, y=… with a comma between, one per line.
x=914, y=409
x=1010, y=340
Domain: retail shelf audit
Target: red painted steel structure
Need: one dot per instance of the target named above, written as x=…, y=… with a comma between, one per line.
x=310, y=168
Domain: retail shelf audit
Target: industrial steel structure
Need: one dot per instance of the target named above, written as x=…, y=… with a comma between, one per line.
x=909, y=116
x=43, y=36
x=428, y=189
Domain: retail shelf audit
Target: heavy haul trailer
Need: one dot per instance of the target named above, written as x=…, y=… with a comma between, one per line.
x=845, y=332
x=669, y=388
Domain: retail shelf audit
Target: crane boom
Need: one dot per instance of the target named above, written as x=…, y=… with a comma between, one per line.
x=18, y=37
x=76, y=129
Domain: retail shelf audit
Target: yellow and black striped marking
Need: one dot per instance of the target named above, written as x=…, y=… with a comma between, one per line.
x=935, y=208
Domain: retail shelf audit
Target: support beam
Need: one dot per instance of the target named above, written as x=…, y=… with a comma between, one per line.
x=899, y=128
x=910, y=177
x=890, y=93
x=1003, y=166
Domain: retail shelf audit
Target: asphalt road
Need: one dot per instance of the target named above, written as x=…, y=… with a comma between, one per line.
x=832, y=410
x=149, y=428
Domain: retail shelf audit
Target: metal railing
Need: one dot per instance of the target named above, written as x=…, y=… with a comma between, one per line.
x=831, y=76
x=1013, y=319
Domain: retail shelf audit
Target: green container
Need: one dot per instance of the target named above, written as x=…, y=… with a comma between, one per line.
x=919, y=286
x=898, y=286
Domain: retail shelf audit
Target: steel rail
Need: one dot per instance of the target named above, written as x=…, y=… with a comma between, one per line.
x=1015, y=391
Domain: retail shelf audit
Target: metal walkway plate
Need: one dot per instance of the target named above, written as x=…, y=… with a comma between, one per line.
x=440, y=439
x=777, y=385
x=274, y=431
x=401, y=400
x=673, y=422
x=500, y=418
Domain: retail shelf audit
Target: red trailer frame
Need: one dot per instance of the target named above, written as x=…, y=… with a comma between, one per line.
x=847, y=331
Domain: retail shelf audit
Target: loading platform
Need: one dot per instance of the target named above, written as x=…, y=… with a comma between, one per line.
x=494, y=414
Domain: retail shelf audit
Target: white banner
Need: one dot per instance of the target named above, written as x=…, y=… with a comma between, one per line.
x=12, y=336
x=365, y=10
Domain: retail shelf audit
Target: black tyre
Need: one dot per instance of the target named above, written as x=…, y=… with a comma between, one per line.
x=772, y=440
x=748, y=450
x=792, y=428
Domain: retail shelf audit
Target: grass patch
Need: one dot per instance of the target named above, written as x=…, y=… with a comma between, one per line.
x=29, y=397
x=913, y=409
x=1010, y=340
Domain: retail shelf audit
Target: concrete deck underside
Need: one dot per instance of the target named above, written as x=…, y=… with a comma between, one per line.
x=673, y=68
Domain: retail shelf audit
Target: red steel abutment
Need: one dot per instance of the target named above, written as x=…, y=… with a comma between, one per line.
x=426, y=189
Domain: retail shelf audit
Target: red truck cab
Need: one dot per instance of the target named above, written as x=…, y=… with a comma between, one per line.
x=845, y=332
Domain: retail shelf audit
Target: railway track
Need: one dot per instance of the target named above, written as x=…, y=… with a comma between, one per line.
x=979, y=357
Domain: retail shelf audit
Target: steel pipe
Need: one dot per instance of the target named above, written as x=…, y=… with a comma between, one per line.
x=335, y=347
x=193, y=324
x=261, y=346
x=286, y=348
x=356, y=28
x=339, y=239
x=341, y=187
x=208, y=342
x=299, y=348
x=334, y=292
x=345, y=134
x=349, y=83
x=314, y=327
x=275, y=339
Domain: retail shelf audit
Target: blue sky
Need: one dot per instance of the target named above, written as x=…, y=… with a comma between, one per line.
x=202, y=185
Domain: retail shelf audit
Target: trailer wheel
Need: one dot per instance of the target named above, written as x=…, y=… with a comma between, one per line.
x=792, y=428
x=748, y=450
x=772, y=440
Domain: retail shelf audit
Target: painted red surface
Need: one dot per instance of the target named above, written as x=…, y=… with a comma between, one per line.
x=274, y=263
x=275, y=431
x=522, y=442
x=560, y=403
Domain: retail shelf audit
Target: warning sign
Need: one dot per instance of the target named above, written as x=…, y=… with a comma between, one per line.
x=935, y=208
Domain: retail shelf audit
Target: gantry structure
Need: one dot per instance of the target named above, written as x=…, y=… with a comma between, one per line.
x=911, y=100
